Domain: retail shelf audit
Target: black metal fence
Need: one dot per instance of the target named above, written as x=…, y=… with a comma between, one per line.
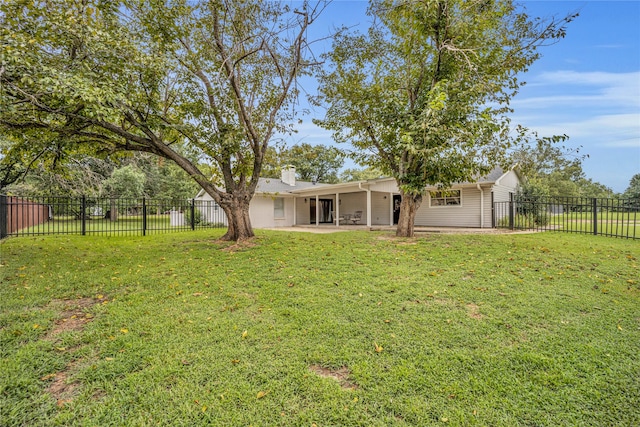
x=598, y=216
x=29, y=216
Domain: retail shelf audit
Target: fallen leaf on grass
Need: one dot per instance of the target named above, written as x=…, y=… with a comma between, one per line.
x=48, y=377
x=379, y=348
x=245, y=334
x=261, y=394
x=124, y=330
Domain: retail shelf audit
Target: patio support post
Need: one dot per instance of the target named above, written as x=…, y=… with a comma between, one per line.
x=337, y=210
x=317, y=210
x=481, y=204
x=368, y=207
x=295, y=211
x=391, y=209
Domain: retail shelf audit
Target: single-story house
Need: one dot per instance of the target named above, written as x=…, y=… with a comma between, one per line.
x=286, y=202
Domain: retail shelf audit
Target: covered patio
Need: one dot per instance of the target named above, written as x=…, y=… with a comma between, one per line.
x=360, y=203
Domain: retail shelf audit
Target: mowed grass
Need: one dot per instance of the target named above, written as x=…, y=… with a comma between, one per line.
x=297, y=329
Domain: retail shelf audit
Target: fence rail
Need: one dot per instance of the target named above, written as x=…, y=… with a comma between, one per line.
x=598, y=216
x=30, y=216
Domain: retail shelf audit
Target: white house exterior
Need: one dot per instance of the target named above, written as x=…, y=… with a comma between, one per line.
x=273, y=205
x=285, y=202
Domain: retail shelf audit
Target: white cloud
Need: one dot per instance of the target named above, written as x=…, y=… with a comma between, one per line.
x=580, y=90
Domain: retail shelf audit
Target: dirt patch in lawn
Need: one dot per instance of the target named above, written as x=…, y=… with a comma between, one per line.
x=74, y=315
x=341, y=375
x=473, y=311
x=60, y=388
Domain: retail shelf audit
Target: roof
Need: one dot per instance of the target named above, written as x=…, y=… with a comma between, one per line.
x=275, y=185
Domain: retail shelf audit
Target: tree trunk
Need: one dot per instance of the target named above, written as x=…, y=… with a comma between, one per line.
x=113, y=212
x=408, y=208
x=239, y=223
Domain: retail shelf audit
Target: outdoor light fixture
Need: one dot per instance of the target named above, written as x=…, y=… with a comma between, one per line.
x=305, y=200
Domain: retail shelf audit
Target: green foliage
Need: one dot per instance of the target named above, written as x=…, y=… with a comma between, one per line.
x=533, y=213
x=427, y=89
x=557, y=168
x=495, y=330
x=416, y=88
x=214, y=79
x=126, y=182
x=633, y=191
x=360, y=174
x=313, y=163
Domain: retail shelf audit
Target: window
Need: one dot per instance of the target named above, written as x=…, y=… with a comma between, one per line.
x=278, y=207
x=445, y=198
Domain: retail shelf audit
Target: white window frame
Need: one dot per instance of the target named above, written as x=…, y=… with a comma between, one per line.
x=446, y=200
x=278, y=211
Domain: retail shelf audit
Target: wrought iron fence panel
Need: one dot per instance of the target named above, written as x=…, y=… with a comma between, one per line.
x=599, y=216
x=30, y=216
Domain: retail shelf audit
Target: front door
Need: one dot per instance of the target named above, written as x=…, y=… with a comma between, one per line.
x=325, y=212
x=396, y=208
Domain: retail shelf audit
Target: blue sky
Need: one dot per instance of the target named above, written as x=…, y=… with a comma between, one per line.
x=586, y=86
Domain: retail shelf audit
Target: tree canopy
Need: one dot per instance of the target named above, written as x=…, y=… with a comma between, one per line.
x=313, y=163
x=218, y=78
x=555, y=170
x=633, y=191
x=425, y=93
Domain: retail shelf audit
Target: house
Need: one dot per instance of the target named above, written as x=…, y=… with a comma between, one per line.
x=286, y=202
x=273, y=204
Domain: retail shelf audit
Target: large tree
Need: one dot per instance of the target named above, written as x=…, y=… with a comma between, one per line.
x=218, y=77
x=425, y=93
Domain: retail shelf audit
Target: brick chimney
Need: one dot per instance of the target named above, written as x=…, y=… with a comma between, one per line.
x=289, y=175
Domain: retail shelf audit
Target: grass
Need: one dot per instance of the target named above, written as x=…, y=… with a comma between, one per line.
x=296, y=329
x=125, y=225
x=608, y=224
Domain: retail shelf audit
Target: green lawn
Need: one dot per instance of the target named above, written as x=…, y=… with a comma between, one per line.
x=297, y=329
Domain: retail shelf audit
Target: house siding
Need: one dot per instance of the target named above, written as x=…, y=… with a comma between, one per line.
x=465, y=215
x=352, y=202
x=302, y=211
x=509, y=180
x=385, y=187
x=380, y=208
x=261, y=212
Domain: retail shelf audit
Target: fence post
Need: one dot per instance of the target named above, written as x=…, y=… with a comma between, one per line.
x=193, y=214
x=83, y=214
x=511, y=212
x=4, y=224
x=144, y=216
x=594, y=208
